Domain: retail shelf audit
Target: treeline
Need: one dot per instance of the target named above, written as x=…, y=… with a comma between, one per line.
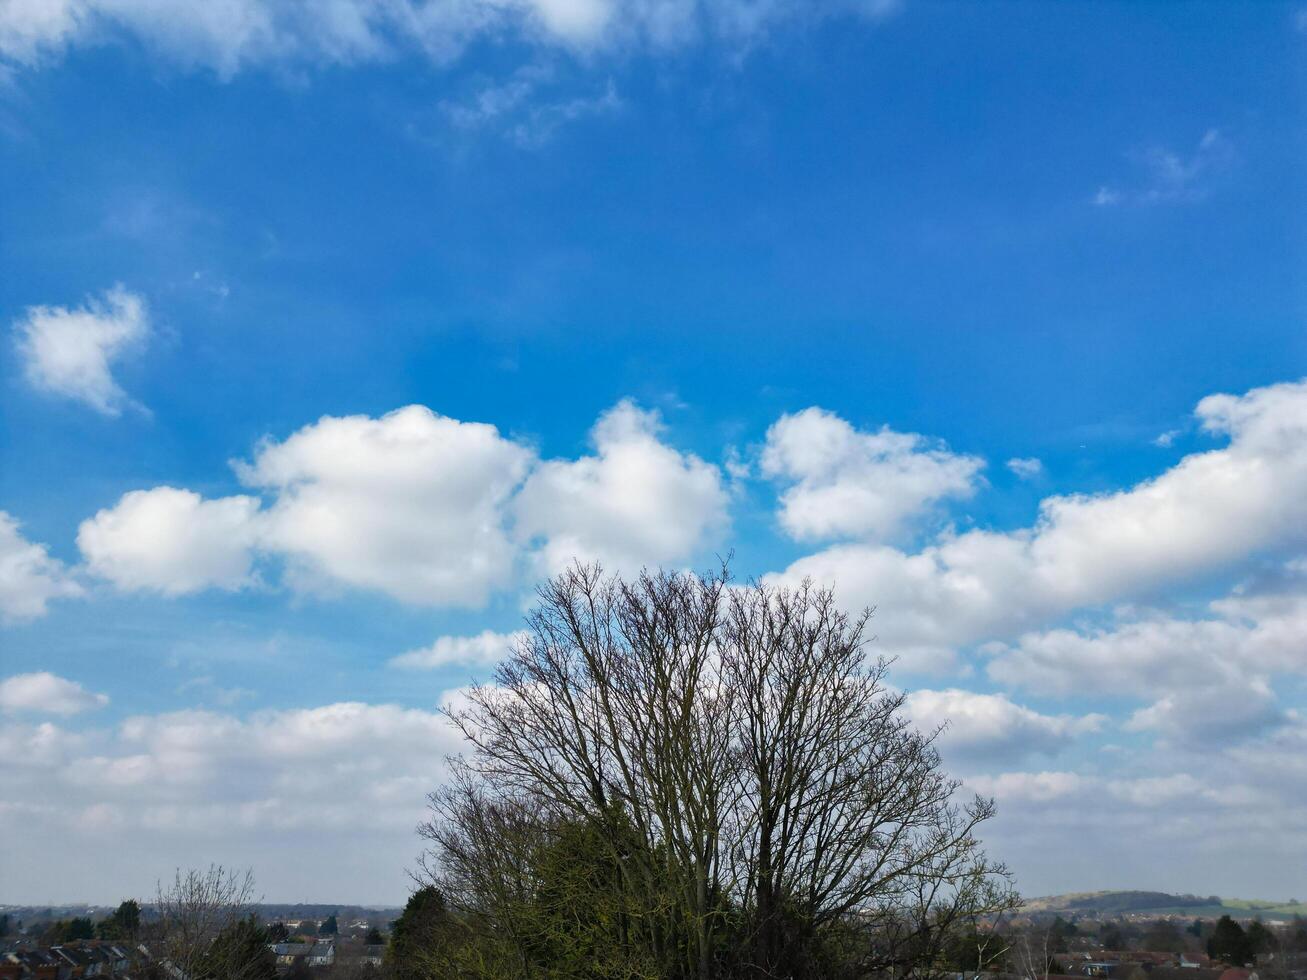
x=122, y=925
x=681, y=777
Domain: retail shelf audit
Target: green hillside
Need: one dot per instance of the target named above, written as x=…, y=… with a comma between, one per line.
x=1163, y=903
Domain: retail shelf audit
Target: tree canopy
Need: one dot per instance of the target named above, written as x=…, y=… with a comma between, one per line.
x=677, y=776
x=1229, y=943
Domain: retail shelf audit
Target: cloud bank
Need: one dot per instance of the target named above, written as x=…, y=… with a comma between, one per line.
x=239, y=35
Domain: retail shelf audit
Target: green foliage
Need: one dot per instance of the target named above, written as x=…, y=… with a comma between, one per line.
x=374, y=937
x=68, y=931
x=328, y=927
x=278, y=933
x=1299, y=937
x=424, y=939
x=1164, y=936
x=1111, y=937
x=1261, y=940
x=1229, y=943
x=239, y=952
x=124, y=923
x=579, y=919
x=968, y=950
x=4, y=925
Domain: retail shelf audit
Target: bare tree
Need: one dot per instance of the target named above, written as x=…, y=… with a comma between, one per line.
x=844, y=808
x=1031, y=952
x=745, y=765
x=202, y=915
x=614, y=705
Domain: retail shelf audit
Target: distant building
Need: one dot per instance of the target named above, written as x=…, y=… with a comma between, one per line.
x=89, y=958
x=288, y=953
x=323, y=953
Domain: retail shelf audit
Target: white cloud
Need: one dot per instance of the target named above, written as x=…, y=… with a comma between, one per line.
x=28, y=26
x=1023, y=787
x=1027, y=468
x=1107, y=196
x=46, y=693
x=1203, y=714
x=309, y=797
x=424, y=508
x=991, y=727
x=485, y=649
x=529, y=107
x=1171, y=177
x=1209, y=510
x=847, y=483
x=577, y=20
x=411, y=504
x=172, y=541
x=636, y=501
x=1204, y=680
x=1164, y=816
x=345, y=766
x=1153, y=655
x=238, y=35
x=29, y=577
x=71, y=351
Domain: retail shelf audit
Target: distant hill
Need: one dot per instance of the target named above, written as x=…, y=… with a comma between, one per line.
x=1112, y=903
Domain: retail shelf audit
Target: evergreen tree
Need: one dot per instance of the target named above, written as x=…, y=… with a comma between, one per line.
x=1229, y=943
x=423, y=939
x=123, y=924
x=240, y=952
x=328, y=927
x=1261, y=940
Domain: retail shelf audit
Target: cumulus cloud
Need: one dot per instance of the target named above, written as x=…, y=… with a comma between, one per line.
x=1157, y=653
x=636, y=501
x=29, y=577
x=71, y=352
x=230, y=37
x=1209, y=713
x=1204, y=679
x=411, y=504
x=1162, y=810
x=991, y=728
x=172, y=541
x=350, y=765
x=485, y=649
x=1209, y=510
x=308, y=797
x=424, y=508
x=46, y=693
x=846, y=483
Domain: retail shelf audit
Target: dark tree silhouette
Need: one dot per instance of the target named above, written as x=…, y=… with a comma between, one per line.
x=752, y=797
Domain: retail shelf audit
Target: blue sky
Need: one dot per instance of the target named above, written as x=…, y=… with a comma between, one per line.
x=794, y=281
